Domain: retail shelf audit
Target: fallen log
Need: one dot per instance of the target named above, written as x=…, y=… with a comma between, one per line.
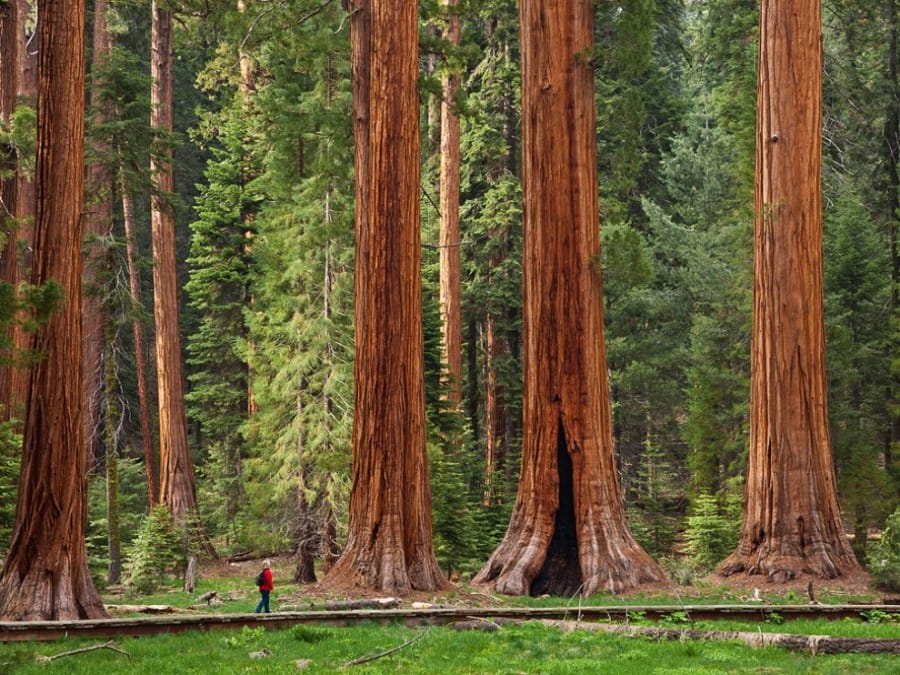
x=142, y=609
x=366, y=603
x=811, y=644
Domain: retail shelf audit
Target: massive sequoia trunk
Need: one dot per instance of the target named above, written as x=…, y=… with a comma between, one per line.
x=389, y=544
x=177, y=487
x=46, y=573
x=568, y=532
x=792, y=523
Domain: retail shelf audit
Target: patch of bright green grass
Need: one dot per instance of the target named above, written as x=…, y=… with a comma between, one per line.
x=521, y=648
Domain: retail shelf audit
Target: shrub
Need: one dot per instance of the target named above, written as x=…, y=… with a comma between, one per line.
x=710, y=535
x=155, y=554
x=885, y=555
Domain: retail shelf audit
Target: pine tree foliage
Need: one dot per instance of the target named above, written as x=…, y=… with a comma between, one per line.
x=491, y=215
x=219, y=291
x=300, y=337
x=267, y=252
x=710, y=534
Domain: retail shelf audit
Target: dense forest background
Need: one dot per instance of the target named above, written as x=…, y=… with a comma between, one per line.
x=264, y=191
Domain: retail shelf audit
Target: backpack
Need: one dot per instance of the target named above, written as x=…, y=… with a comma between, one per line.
x=260, y=578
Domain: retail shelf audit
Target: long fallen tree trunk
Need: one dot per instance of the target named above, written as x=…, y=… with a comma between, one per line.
x=811, y=644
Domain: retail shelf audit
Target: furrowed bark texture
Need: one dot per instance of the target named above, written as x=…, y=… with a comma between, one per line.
x=568, y=532
x=46, y=574
x=792, y=522
x=389, y=545
x=177, y=487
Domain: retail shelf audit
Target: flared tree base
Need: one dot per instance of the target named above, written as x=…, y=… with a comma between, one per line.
x=521, y=568
x=41, y=596
x=388, y=572
x=819, y=561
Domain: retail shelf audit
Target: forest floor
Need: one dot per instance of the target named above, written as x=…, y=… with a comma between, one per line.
x=711, y=589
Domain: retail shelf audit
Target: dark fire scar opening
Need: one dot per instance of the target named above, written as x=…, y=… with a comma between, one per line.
x=561, y=573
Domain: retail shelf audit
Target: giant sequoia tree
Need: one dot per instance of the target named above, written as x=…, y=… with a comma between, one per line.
x=568, y=532
x=389, y=544
x=46, y=573
x=792, y=523
x=177, y=486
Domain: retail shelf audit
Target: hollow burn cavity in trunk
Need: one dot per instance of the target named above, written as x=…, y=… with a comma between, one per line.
x=561, y=573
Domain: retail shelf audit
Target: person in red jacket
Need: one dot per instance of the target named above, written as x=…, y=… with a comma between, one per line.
x=265, y=588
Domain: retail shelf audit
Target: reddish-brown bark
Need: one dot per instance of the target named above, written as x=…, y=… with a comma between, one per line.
x=97, y=223
x=495, y=416
x=46, y=574
x=10, y=43
x=177, y=488
x=389, y=544
x=568, y=532
x=17, y=82
x=792, y=522
x=137, y=333
x=449, y=226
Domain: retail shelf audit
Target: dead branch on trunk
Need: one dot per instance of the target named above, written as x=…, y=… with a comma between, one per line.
x=811, y=644
x=106, y=645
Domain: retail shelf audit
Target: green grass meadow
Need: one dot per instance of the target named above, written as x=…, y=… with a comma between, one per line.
x=515, y=648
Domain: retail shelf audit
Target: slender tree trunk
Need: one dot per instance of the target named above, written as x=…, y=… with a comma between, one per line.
x=495, y=422
x=305, y=572
x=26, y=206
x=17, y=74
x=568, y=532
x=111, y=442
x=449, y=226
x=389, y=544
x=178, y=490
x=892, y=152
x=10, y=44
x=792, y=522
x=46, y=573
x=97, y=224
x=137, y=332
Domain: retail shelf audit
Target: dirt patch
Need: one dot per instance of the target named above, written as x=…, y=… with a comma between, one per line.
x=737, y=588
